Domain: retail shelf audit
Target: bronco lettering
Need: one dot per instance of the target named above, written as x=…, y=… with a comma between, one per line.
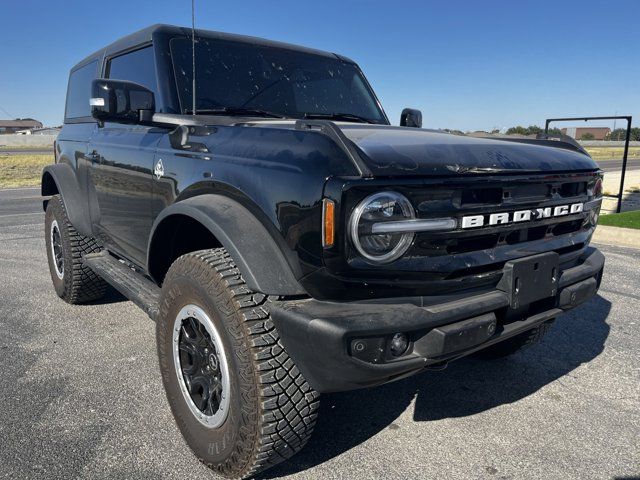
x=474, y=221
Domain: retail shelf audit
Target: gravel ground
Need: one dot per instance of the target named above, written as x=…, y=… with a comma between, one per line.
x=81, y=395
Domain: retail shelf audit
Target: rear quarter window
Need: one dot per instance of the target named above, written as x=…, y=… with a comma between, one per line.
x=79, y=91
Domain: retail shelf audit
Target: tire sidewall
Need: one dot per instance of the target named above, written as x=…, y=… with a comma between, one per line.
x=232, y=441
x=55, y=212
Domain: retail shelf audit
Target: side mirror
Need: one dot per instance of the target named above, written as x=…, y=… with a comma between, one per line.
x=121, y=101
x=411, y=117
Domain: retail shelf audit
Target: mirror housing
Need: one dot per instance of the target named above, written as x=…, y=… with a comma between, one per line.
x=121, y=101
x=411, y=117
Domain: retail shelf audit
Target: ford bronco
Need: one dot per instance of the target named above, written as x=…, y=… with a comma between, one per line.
x=253, y=198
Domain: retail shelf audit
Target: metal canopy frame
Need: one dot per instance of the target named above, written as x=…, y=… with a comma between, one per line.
x=626, y=145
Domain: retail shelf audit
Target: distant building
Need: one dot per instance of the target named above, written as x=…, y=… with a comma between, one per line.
x=599, y=133
x=43, y=131
x=14, y=126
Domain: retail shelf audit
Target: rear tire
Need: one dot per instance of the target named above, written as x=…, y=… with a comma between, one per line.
x=514, y=344
x=73, y=282
x=271, y=408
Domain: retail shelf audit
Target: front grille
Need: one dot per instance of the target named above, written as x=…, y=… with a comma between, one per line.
x=473, y=257
x=510, y=195
x=465, y=241
x=482, y=242
x=534, y=192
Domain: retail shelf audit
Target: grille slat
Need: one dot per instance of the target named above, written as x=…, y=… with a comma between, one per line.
x=508, y=197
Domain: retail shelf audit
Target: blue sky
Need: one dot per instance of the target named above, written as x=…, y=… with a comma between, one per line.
x=466, y=64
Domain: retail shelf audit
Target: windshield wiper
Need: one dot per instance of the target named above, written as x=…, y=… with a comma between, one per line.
x=248, y=112
x=347, y=117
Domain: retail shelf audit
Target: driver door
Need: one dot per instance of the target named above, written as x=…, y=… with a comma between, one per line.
x=121, y=172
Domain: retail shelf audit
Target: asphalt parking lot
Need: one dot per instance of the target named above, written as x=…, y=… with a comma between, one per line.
x=81, y=395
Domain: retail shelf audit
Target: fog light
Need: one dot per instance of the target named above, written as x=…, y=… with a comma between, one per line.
x=399, y=344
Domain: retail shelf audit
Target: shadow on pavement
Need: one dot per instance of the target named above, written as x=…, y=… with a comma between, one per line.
x=110, y=296
x=467, y=387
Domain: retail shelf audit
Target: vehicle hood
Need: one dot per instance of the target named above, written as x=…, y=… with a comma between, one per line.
x=401, y=151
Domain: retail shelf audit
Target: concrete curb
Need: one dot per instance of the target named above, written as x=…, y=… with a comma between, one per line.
x=625, y=237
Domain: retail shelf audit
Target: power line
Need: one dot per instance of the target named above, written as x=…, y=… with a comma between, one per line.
x=7, y=113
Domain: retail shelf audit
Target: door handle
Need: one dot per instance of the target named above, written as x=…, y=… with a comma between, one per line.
x=93, y=156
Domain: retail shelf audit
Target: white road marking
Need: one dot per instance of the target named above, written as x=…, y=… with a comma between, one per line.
x=21, y=214
x=26, y=198
x=13, y=189
x=23, y=225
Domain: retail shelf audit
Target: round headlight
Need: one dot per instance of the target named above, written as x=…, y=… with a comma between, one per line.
x=597, y=188
x=379, y=208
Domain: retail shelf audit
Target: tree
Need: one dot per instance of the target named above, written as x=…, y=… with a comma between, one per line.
x=519, y=130
x=534, y=130
x=530, y=130
x=587, y=136
x=619, y=134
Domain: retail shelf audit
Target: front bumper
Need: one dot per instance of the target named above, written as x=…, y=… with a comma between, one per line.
x=345, y=346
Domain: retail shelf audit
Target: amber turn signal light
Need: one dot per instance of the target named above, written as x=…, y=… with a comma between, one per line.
x=328, y=222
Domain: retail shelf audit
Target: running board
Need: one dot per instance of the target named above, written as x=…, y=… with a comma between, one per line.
x=133, y=285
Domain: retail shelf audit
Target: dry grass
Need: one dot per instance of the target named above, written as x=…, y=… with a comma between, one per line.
x=24, y=147
x=22, y=170
x=612, y=153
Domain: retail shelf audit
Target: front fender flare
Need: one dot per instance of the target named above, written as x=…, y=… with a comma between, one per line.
x=61, y=179
x=263, y=264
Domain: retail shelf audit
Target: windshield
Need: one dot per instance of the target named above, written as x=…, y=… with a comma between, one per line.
x=236, y=76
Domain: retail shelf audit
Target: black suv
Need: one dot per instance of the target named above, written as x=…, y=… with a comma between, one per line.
x=288, y=241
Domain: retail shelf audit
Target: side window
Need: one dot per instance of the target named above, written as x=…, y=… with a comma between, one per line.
x=79, y=91
x=137, y=66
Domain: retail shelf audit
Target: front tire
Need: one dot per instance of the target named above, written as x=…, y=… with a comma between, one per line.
x=73, y=281
x=239, y=400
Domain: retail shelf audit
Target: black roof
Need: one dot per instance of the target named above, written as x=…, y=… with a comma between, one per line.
x=146, y=35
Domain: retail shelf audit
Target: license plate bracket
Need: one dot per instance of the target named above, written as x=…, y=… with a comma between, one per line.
x=529, y=279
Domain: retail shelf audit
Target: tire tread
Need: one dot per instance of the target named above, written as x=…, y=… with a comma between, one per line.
x=287, y=404
x=84, y=284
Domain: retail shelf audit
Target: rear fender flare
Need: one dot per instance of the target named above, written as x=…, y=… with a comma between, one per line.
x=61, y=179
